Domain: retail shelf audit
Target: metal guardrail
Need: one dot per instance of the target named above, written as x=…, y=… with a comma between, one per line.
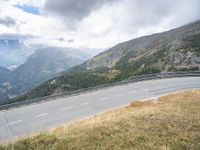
x=82, y=91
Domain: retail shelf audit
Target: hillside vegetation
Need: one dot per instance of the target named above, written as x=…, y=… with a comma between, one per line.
x=171, y=51
x=42, y=65
x=170, y=123
x=67, y=82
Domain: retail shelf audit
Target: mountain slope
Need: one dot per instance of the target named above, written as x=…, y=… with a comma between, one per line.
x=174, y=50
x=45, y=63
x=4, y=84
x=4, y=74
x=41, y=66
x=175, y=42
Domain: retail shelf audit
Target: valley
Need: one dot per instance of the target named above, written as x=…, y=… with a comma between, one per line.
x=39, y=67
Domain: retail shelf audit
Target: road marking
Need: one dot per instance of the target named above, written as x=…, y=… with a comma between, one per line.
x=14, y=122
x=103, y=98
x=85, y=103
x=131, y=92
x=41, y=115
x=65, y=108
x=118, y=94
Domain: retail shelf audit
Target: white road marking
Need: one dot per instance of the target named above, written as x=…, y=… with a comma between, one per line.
x=103, y=98
x=65, y=108
x=85, y=103
x=131, y=92
x=41, y=115
x=118, y=94
x=14, y=122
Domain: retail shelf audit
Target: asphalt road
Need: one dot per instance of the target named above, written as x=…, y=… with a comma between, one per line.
x=39, y=117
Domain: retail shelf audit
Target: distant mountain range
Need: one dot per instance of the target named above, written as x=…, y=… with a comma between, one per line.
x=40, y=66
x=13, y=52
x=174, y=50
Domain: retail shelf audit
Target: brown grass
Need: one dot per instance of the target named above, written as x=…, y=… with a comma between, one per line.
x=170, y=123
x=111, y=74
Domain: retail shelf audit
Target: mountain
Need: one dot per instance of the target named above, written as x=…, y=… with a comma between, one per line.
x=178, y=47
x=41, y=66
x=47, y=62
x=4, y=78
x=174, y=50
x=4, y=74
x=13, y=52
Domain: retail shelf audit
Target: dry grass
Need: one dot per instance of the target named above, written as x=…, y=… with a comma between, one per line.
x=111, y=74
x=170, y=123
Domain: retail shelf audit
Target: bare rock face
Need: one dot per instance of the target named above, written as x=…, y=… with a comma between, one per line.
x=184, y=59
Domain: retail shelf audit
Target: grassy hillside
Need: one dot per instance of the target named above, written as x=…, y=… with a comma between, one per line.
x=171, y=123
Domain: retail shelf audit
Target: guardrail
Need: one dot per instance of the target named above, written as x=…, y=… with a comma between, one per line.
x=81, y=91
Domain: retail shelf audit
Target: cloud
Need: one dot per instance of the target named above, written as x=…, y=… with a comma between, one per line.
x=7, y=21
x=146, y=13
x=34, y=3
x=95, y=23
x=74, y=10
x=70, y=41
x=60, y=39
x=16, y=36
x=128, y=19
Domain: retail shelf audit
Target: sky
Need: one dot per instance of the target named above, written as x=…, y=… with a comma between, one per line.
x=91, y=23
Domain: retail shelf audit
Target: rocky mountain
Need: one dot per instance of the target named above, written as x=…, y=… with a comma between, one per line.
x=174, y=50
x=178, y=47
x=41, y=66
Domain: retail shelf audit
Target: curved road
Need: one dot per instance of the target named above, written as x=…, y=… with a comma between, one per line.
x=26, y=120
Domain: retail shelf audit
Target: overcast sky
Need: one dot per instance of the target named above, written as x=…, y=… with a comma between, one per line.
x=92, y=23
